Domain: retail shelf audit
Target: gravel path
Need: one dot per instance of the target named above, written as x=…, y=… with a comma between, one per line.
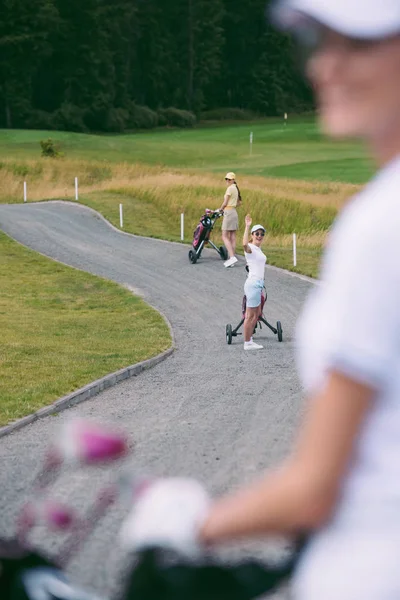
x=211, y=411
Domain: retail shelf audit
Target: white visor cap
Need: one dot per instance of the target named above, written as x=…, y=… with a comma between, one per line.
x=361, y=19
x=256, y=228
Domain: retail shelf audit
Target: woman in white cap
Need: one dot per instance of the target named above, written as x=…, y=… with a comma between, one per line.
x=230, y=222
x=341, y=483
x=255, y=259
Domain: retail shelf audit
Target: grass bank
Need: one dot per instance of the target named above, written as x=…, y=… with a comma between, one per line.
x=153, y=198
x=61, y=329
x=294, y=180
x=295, y=151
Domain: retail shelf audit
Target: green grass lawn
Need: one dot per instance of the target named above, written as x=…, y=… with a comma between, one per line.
x=294, y=151
x=58, y=332
x=61, y=329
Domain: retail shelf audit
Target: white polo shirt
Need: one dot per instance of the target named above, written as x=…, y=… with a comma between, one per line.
x=256, y=260
x=351, y=323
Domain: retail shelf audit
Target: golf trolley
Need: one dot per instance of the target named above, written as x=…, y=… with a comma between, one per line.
x=153, y=571
x=230, y=332
x=201, y=236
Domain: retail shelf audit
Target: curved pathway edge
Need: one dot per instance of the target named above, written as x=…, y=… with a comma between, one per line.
x=103, y=218
x=95, y=387
x=87, y=391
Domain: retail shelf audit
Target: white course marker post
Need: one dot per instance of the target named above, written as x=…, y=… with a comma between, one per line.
x=121, y=217
x=25, y=192
x=294, y=250
x=251, y=143
x=285, y=117
x=182, y=226
x=76, y=189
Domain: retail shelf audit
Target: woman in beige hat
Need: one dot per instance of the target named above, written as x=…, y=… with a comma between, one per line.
x=230, y=222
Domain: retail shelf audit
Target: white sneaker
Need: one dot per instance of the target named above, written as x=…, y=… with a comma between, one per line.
x=252, y=346
x=230, y=262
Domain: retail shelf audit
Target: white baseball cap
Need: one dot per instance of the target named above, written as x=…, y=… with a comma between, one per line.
x=361, y=19
x=256, y=228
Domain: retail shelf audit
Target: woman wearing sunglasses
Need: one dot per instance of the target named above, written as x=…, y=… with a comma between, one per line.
x=230, y=222
x=255, y=259
x=341, y=482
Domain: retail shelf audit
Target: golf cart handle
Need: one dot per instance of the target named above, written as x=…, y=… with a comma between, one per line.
x=214, y=213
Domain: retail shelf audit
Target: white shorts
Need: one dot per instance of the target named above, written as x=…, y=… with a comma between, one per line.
x=253, y=289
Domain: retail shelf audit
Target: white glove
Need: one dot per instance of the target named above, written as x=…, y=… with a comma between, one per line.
x=167, y=514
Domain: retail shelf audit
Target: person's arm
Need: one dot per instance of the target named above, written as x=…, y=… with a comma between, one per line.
x=248, y=222
x=226, y=199
x=301, y=495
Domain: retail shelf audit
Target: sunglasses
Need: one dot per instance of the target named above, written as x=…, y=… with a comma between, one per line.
x=259, y=234
x=226, y=179
x=310, y=37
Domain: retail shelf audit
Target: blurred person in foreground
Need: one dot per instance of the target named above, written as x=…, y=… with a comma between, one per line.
x=341, y=482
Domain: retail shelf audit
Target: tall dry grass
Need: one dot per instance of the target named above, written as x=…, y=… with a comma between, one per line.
x=154, y=196
x=52, y=178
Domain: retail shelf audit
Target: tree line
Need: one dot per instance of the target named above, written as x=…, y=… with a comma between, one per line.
x=113, y=65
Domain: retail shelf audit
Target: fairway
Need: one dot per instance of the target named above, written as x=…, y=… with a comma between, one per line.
x=296, y=150
x=292, y=179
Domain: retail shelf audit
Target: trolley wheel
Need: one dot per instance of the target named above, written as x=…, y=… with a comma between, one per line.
x=223, y=252
x=192, y=256
x=228, y=333
x=279, y=331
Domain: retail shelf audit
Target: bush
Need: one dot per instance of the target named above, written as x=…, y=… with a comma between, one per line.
x=175, y=117
x=41, y=119
x=227, y=114
x=142, y=117
x=162, y=121
x=97, y=116
x=49, y=148
x=70, y=117
x=117, y=119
